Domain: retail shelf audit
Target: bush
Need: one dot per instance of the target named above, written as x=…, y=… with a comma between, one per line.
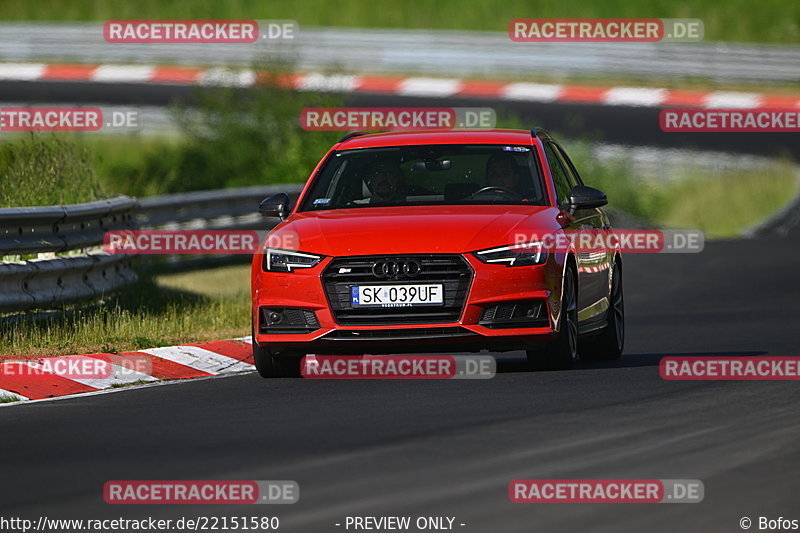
x=244, y=138
x=231, y=138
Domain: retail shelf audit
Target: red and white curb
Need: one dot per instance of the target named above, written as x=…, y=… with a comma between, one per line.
x=397, y=85
x=30, y=379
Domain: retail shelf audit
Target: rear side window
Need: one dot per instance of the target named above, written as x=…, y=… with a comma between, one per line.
x=560, y=178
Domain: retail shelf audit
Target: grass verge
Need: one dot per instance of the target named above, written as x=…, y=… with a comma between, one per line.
x=722, y=203
x=162, y=309
x=46, y=170
x=133, y=383
x=8, y=399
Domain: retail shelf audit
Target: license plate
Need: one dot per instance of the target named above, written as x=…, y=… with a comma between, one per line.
x=396, y=295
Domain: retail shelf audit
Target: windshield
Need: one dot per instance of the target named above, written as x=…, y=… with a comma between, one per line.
x=427, y=175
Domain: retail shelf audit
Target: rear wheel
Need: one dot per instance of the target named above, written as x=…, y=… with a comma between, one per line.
x=561, y=353
x=270, y=365
x=608, y=345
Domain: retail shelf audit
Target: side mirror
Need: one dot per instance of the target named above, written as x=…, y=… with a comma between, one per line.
x=583, y=197
x=276, y=205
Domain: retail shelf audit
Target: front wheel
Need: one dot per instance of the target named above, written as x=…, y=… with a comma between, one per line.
x=561, y=353
x=270, y=365
x=608, y=345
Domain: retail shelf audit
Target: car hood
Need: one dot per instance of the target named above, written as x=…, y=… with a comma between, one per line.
x=411, y=229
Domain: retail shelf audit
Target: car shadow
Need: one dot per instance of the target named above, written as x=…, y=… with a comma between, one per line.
x=511, y=362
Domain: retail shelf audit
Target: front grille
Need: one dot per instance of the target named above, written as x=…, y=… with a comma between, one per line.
x=397, y=334
x=342, y=273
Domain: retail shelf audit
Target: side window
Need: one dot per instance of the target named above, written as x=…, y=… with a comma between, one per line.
x=560, y=178
x=572, y=174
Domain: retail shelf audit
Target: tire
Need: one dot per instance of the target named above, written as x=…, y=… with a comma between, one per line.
x=561, y=353
x=270, y=365
x=608, y=345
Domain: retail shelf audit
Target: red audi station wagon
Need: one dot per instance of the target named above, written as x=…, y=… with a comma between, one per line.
x=430, y=242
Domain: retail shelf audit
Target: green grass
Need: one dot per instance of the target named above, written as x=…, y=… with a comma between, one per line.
x=721, y=203
x=8, y=399
x=724, y=205
x=46, y=170
x=772, y=21
x=132, y=384
x=134, y=165
x=160, y=310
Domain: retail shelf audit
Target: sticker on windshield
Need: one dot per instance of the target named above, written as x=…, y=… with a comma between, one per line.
x=322, y=201
x=516, y=149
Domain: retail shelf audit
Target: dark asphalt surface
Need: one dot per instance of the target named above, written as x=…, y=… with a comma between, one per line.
x=602, y=123
x=450, y=448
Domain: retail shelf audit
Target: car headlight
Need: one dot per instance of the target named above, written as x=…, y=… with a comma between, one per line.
x=522, y=254
x=276, y=260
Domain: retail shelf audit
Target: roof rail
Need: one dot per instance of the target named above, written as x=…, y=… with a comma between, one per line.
x=351, y=134
x=540, y=132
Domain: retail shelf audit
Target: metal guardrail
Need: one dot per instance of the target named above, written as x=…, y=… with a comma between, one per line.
x=45, y=283
x=49, y=280
x=53, y=229
x=218, y=209
x=434, y=52
x=84, y=272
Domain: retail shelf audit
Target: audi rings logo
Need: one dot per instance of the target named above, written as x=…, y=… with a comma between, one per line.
x=396, y=268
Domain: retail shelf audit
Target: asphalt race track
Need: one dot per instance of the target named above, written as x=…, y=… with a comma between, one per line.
x=450, y=448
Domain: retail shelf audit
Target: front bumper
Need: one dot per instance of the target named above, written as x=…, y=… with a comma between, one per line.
x=489, y=285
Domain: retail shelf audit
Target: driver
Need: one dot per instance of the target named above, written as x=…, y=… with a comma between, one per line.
x=385, y=181
x=501, y=171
